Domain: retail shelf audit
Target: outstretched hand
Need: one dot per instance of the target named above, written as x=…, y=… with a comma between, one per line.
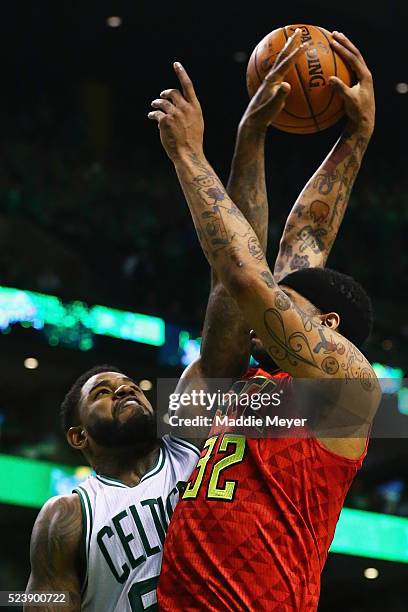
x=271, y=96
x=179, y=117
x=359, y=101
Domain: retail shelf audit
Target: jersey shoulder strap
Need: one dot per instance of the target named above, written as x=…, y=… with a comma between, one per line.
x=182, y=455
x=87, y=508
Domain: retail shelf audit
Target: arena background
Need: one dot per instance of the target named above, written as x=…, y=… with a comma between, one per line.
x=91, y=213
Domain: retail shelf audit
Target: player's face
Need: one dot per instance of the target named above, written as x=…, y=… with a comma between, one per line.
x=115, y=412
x=258, y=351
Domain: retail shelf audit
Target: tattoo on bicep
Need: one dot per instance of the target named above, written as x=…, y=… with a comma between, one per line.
x=294, y=347
x=367, y=379
x=328, y=346
x=355, y=367
x=330, y=365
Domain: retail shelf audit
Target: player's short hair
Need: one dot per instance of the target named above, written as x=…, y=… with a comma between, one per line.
x=332, y=291
x=69, y=408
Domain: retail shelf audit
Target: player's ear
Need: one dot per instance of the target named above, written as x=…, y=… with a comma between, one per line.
x=77, y=437
x=330, y=320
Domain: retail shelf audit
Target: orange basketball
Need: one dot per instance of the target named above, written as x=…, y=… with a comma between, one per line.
x=312, y=105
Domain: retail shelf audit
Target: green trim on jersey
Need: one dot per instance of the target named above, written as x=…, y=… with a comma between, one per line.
x=113, y=482
x=159, y=464
x=83, y=545
x=86, y=532
x=186, y=444
x=88, y=501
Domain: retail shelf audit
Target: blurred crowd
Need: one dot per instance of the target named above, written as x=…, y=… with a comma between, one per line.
x=389, y=497
x=114, y=229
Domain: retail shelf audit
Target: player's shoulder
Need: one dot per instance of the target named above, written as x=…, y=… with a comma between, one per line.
x=59, y=520
x=179, y=448
x=60, y=505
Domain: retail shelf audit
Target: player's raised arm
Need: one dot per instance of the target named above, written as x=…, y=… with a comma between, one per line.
x=316, y=216
x=225, y=346
x=289, y=334
x=55, y=552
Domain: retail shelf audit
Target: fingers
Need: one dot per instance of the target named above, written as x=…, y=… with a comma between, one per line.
x=351, y=54
x=284, y=89
x=281, y=95
x=164, y=105
x=280, y=70
x=156, y=116
x=185, y=82
x=292, y=43
x=346, y=42
x=174, y=95
x=339, y=86
x=279, y=100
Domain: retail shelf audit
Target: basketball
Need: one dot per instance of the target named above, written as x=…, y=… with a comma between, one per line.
x=312, y=104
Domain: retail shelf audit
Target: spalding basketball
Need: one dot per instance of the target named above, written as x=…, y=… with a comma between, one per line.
x=312, y=104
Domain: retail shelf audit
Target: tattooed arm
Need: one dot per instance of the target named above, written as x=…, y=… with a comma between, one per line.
x=315, y=219
x=292, y=337
x=225, y=345
x=54, y=551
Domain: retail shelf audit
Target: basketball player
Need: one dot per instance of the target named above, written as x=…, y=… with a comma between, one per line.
x=257, y=517
x=103, y=543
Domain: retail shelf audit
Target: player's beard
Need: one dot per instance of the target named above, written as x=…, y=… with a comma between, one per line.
x=138, y=431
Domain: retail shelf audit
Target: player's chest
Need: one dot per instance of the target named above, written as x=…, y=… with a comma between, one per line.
x=130, y=525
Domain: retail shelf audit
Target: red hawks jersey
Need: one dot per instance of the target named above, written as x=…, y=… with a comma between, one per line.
x=253, y=529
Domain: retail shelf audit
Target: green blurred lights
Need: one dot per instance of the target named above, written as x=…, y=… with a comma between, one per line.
x=28, y=482
x=75, y=322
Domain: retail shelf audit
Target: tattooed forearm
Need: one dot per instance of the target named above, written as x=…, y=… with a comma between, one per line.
x=246, y=185
x=316, y=217
x=219, y=223
x=311, y=238
x=335, y=181
x=225, y=347
x=211, y=229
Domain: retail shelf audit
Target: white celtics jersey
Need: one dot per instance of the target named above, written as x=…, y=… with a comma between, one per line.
x=124, y=531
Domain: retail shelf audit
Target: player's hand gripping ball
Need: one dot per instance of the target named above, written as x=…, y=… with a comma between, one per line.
x=313, y=104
